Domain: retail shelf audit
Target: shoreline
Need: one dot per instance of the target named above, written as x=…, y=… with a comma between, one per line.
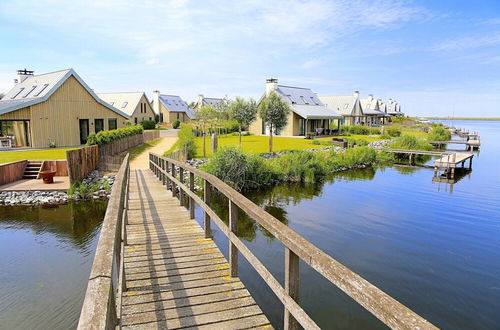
x=465, y=118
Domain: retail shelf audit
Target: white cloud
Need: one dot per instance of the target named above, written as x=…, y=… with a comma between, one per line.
x=468, y=42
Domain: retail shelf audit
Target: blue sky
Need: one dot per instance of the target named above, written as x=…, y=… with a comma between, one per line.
x=434, y=57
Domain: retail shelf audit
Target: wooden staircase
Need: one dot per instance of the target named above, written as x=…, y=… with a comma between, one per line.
x=32, y=169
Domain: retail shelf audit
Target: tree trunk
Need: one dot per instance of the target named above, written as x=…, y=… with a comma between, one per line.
x=270, y=137
x=240, y=136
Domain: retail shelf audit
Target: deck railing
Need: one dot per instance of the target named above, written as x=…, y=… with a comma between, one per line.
x=172, y=174
x=102, y=304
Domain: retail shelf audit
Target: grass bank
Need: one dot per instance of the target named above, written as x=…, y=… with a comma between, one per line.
x=44, y=154
x=136, y=151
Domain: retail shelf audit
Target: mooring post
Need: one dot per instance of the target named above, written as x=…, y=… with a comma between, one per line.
x=470, y=164
x=291, y=285
x=206, y=217
x=233, y=250
x=191, y=200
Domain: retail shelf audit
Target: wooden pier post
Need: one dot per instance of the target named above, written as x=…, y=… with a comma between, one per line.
x=191, y=200
x=181, y=192
x=206, y=217
x=233, y=250
x=291, y=285
x=174, y=187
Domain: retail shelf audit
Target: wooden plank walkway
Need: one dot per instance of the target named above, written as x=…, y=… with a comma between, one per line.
x=452, y=160
x=175, y=277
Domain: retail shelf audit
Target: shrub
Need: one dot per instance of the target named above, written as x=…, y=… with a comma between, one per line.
x=375, y=130
x=394, y=131
x=306, y=166
x=356, y=130
x=357, y=142
x=239, y=169
x=106, y=137
x=410, y=142
x=385, y=136
x=176, y=123
x=148, y=124
x=185, y=142
x=439, y=133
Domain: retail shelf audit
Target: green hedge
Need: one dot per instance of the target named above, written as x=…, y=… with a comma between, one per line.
x=148, y=124
x=106, y=137
x=176, y=123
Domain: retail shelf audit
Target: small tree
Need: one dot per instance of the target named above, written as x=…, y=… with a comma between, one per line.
x=244, y=112
x=2, y=95
x=204, y=115
x=274, y=112
x=221, y=113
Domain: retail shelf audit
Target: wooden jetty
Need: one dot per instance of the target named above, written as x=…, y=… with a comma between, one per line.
x=470, y=144
x=451, y=161
x=156, y=268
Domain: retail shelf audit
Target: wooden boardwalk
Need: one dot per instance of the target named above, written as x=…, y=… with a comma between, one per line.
x=174, y=276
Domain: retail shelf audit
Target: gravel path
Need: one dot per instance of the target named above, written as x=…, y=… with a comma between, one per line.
x=169, y=137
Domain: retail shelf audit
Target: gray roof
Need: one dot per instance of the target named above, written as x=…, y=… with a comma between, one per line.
x=174, y=103
x=211, y=101
x=343, y=104
x=305, y=103
x=37, y=89
x=126, y=102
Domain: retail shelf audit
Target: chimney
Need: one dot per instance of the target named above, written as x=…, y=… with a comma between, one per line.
x=23, y=75
x=200, y=99
x=156, y=102
x=271, y=85
x=356, y=94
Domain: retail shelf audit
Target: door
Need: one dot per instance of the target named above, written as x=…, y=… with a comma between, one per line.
x=84, y=130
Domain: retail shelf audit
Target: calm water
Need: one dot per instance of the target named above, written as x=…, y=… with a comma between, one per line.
x=432, y=246
x=46, y=256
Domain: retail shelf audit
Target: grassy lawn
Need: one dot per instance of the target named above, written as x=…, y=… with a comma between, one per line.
x=45, y=154
x=136, y=151
x=256, y=144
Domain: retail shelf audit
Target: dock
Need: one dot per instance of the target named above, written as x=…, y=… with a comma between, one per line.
x=155, y=267
x=450, y=162
x=470, y=144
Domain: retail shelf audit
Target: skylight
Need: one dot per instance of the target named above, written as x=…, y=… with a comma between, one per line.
x=13, y=97
x=124, y=104
x=31, y=90
x=112, y=103
x=346, y=105
x=41, y=90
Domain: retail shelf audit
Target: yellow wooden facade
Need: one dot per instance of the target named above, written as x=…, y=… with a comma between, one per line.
x=57, y=119
x=139, y=113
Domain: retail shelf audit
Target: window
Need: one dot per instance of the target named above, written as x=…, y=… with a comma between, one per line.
x=346, y=105
x=31, y=90
x=98, y=125
x=124, y=104
x=313, y=101
x=177, y=115
x=135, y=120
x=41, y=90
x=112, y=123
x=150, y=118
x=13, y=97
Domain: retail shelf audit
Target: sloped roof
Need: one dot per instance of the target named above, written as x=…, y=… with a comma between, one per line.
x=343, y=104
x=305, y=103
x=176, y=104
x=37, y=89
x=391, y=107
x=126, y=102
x=369, y=103
x=211, y=101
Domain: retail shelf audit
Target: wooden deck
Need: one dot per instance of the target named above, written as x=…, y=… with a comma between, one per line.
x=452, y=160
x=174, y=276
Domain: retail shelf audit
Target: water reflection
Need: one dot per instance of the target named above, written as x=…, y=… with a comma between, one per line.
x=46, y=257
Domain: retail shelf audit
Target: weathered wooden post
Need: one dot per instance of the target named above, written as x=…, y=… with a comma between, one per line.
x=181, y=191
x=215, y=142
x=167, y=169
x=291, y=285
x=174, y=187
x=191, y=199
x=206, y=217
x=233, y=250
x=470, y=163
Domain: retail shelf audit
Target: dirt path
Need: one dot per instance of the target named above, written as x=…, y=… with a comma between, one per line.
x=168, y=137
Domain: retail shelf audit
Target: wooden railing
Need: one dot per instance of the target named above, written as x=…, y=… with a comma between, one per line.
x=172, y=172
x=102, y=304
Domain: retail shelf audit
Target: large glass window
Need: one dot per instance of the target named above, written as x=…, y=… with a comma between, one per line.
x=98, y=125
x=112, y=123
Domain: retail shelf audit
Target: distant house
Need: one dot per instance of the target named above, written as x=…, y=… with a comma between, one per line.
x=393, y=108
x=348, y=106
x=171, y=107
x=202, y=100
x=371, y=109
x=308, y=113
x=54, y=108
x=134, y=104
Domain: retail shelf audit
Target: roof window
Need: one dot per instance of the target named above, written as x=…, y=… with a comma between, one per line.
x=29, y=92
x=346, y=105
x=15, y=95
x=112, y=103
x=41, y=90
x=124, y=104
